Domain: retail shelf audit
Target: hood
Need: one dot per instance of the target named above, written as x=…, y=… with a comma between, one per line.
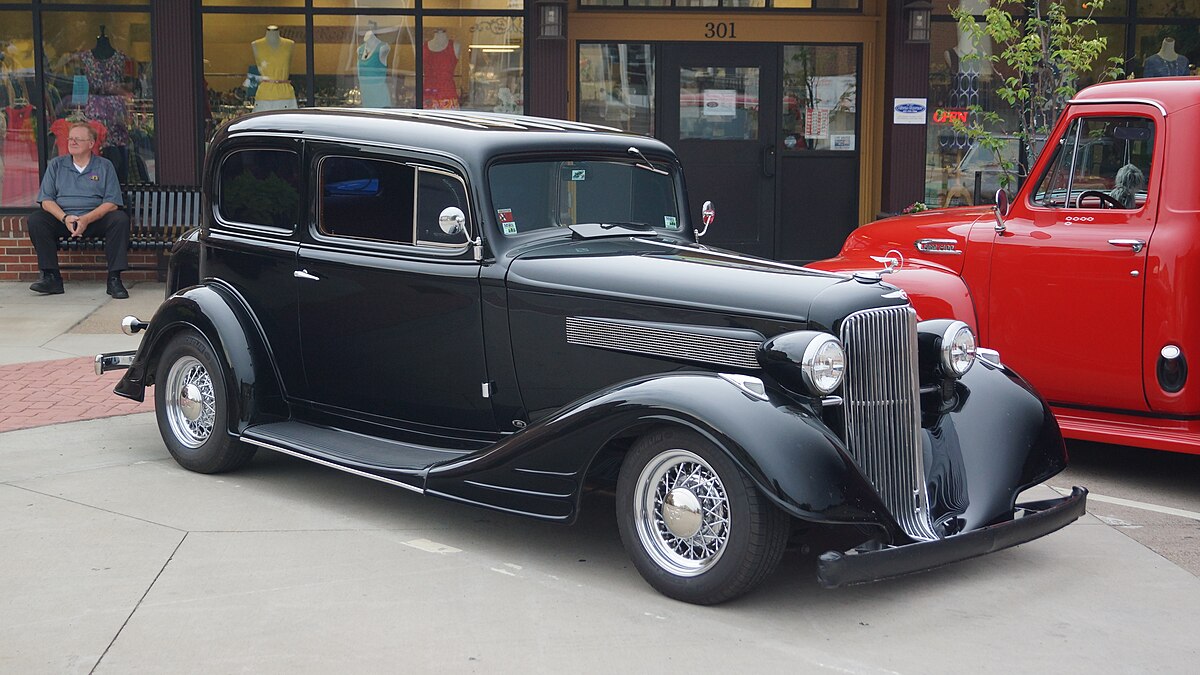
x=683, y=275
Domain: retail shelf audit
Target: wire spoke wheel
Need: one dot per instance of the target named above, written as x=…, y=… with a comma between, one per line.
x=683, y=513
x=191, y=402
x=694, y=525
x=191, y=406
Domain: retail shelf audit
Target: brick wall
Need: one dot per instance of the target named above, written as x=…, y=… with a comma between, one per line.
x=18, y=262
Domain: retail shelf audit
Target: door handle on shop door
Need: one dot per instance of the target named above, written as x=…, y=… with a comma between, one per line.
x=768, y=161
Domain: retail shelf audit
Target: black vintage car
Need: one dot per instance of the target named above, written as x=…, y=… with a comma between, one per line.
x=502, y=310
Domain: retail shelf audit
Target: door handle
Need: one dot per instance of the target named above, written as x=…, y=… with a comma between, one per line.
x=768, y=161
x=303, y=274
x=1136, y=244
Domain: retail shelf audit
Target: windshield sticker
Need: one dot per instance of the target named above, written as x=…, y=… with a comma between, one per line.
x=671, y=222
x=507, y=224
x=578, y=174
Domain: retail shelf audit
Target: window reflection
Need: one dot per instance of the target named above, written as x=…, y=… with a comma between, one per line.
x=98, y=70
x=18, y=147
x=820, y=97
x=616, y=86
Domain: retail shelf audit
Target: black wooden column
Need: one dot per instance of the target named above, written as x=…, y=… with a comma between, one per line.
x=907, y=75
x=547, y=74
x=175, y=31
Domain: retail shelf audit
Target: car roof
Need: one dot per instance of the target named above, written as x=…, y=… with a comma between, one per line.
x=1169, y=94
x=471, y=136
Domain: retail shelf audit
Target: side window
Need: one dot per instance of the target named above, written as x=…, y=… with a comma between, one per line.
x=366, y=199
x=1101, y=162
x=436, y=192
x=260, y=187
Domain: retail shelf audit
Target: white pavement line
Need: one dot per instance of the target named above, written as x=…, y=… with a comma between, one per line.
x=431, y=546
x=1093, y=497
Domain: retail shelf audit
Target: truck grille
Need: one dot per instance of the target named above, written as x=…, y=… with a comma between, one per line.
x=882, y=409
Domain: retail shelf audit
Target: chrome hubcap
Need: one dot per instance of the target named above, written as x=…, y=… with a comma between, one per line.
x=683, y=514
x=191, y=405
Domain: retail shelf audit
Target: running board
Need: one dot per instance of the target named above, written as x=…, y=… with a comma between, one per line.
x=382, y=459
x=1156, y=433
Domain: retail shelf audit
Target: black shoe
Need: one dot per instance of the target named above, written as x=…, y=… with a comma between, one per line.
x=115, y=288
x=49, y=284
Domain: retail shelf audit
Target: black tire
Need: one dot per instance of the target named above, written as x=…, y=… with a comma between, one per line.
x=737, y=536
x=192, y=407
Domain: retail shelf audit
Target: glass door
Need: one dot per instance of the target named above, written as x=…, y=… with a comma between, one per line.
x=719, y=113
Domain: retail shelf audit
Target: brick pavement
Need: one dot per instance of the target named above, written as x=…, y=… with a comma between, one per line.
x=67, y=390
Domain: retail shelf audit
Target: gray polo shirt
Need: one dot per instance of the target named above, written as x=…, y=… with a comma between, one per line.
x=78, y=193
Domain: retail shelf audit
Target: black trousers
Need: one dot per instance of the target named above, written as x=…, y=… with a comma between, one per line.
x=44, y=232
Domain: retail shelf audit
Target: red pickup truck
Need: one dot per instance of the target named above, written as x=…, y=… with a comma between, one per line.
x=1088, y=281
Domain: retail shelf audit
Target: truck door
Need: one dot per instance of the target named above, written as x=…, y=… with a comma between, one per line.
x=1068, y=271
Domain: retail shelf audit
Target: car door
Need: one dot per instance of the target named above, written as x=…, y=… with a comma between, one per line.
x=1068, y=271
x=390, y=309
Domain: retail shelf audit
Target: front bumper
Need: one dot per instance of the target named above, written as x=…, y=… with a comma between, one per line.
x=1037, y=519
x=113, y=361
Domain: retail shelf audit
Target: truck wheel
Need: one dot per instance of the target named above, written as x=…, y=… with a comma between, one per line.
x=695, y=527
x=191, y=405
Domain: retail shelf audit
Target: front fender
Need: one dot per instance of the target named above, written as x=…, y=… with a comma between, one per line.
x=935, y=291
x=787, y=451
x=219, y=316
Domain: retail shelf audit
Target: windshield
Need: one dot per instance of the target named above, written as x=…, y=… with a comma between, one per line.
x=528, y=196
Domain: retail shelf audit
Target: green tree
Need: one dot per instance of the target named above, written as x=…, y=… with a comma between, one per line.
x=1041, y=52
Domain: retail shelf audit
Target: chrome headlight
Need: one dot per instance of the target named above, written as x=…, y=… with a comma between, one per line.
x=958, y=349
x=823, y=364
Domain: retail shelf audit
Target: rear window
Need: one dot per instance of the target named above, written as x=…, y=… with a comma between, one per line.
x=260, y=187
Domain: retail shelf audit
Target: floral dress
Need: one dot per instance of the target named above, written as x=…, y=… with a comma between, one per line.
x=107, y=96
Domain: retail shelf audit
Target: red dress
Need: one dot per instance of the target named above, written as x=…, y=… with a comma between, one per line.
x=440, y=92
x=20, y=158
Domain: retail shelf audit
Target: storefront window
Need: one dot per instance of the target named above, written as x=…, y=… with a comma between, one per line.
x=820, y=97
x=98, y=70
x=252, y=62
x=953, y=163
x=1112, y=8
x=18, y=124
x=751, y=4
x=616, y=86
x=473, y=63
x=1166, y=50
x=365, y=61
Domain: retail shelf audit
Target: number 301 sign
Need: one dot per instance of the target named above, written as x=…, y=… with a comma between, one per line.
x=714, y=30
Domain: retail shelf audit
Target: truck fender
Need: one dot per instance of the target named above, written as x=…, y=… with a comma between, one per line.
x=784, y=448
x=220, y=316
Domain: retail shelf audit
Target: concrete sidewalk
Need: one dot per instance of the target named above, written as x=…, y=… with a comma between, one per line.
x=47, y=344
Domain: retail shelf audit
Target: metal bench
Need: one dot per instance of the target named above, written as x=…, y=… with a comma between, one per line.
x=158, y=216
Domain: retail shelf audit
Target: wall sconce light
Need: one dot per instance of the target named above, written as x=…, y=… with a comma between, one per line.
x=917, y=17
x=552, y=20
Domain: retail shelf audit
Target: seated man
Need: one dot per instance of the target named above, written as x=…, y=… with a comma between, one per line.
x=79, y=194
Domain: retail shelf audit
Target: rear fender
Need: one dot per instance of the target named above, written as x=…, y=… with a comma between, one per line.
x=220, y=317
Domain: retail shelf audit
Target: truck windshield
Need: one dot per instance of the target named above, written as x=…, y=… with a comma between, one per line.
x=528, y=196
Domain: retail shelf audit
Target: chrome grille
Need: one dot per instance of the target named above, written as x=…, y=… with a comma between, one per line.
x=883, y=416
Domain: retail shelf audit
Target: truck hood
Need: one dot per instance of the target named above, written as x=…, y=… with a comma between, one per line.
x=657, y=272
x=900, y=233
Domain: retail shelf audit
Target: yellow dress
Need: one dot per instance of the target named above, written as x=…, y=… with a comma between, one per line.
x=274, y=64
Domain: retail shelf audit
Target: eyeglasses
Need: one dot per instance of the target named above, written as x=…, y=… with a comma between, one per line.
x=71, y=139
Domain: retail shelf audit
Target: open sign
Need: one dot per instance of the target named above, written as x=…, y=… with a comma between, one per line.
x=947, y=116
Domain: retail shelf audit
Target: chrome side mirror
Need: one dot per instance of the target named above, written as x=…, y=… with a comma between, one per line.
x=1001, y=209
x=452, y=220
x=708, y=215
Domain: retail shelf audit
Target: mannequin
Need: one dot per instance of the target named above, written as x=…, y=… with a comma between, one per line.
x=372, y=72
x=1166, y=63
x=273, y=55
x=107, y=71
x=441, y=60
